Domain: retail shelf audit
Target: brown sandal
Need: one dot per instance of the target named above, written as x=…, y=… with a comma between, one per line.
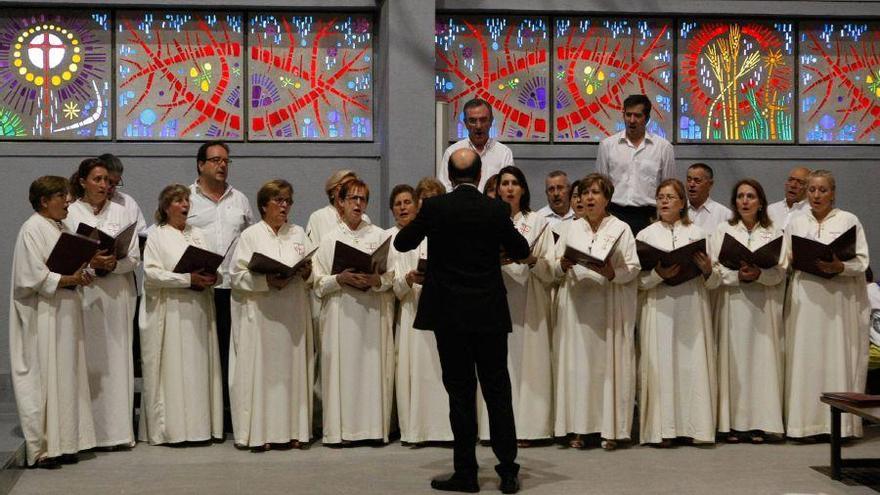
x=576, y=442
x=609, y=445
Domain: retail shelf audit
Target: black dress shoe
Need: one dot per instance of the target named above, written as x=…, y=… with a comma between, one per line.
x=456, y=484
x=509, y=484
x=47, y=463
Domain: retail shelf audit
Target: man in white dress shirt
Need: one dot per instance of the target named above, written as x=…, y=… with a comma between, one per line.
x=794, y=203
x=478, y=119
x=703, y=210
x=558, y=207
x=637, y=161
x=222, y=212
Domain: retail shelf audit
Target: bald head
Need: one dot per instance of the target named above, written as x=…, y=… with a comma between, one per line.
x=796, y=185
x=464, y=167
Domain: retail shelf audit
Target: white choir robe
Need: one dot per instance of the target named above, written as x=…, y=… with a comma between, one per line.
x=46, y=348
x=528, y=346
x=826, y=338
x=357, y=344
x=422, y=401
x=108, y=315
x=678, y=383
x=271, y=359
x=594, y=337
x=182, y=397
x=749, y=329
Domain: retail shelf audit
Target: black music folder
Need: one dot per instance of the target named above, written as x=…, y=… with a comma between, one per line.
x=70, y=252
x=260, y=263
x=734, y=252
x=650, y=257
x=805, y=252
x=345, y=257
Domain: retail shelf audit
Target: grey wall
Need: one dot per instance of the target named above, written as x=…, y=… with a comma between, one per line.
x=404, y=147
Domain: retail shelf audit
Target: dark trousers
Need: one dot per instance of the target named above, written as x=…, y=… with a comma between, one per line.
x=224, y=324
x=637, y=217
x=460, y=354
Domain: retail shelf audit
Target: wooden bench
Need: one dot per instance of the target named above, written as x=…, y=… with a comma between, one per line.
x=870, y=413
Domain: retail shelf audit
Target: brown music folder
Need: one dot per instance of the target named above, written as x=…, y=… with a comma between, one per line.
x=600, y=257
x=856, y=398
x=805, y=252
x=70, y=252
x=650, y=257
x=196, y=259
x=345, y=257
x=260, y=263
x=117, y=245
x=733, y=253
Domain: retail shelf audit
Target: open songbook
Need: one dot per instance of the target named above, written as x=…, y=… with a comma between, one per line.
x=733, y=253
x=855, y=398
x=601, y=250
x=70, y=252
x=260, y=263
x=196, y=259
x=650, y=257
x=806, y=252
x=346, y=257
x=116, y=245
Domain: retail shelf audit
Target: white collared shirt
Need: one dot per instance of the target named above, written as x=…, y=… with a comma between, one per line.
x=494, y=156
x=221, y=222
x=781, y=214
x=709, y=215
x=635, y=170
x=554, y=218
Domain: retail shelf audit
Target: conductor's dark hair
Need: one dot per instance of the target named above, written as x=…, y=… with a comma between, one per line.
x=633, y=100
x=763, y=218
x=202, y=153
x=113, y=163
x=85, y=168
x=474, y=103
x=468, y=174
x=521, y=179
x=46, y=187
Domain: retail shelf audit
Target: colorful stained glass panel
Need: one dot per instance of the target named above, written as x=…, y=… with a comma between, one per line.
x=598, y=62
x=839, y=82
x=54, y=75
x=735, y=81
x=179, y=76
x=501, y=59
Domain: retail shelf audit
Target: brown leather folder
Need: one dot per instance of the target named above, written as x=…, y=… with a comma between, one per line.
x=733, y=253
x=70, y=252
x=260, y=263
x=117, y=245
x=346, y=257
x=805, y=252
x=650, y=257
x=196, y=259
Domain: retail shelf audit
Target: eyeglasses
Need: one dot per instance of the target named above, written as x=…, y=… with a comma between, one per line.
x=116, y=184
x=282, y=201
x=217, y=160
x=356, y=199
x=667, y=197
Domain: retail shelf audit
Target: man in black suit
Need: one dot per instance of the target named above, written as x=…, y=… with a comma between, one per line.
x=464, y=302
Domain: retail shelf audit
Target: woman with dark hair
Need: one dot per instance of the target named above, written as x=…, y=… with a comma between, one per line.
x=182, y=398
x=826, y=343
x=678, y=387
x=527, y=282
x=422, y=402
x=108, y=307
x=748, y=324
x=271, y=360
x=491, y=187
x=48, y=359
x=594, y=335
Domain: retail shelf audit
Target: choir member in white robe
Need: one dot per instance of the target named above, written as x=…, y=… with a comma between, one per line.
x=826, y=341
x=327, y=219
x=182, y=397
x=271, y=363
x=528, y=294
x=357, y=342
x=46, y=348
x=678, y=383
x=594, y=337
x=577, y=207
x=108, y=308
x=748, y=324
x=422, y=401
